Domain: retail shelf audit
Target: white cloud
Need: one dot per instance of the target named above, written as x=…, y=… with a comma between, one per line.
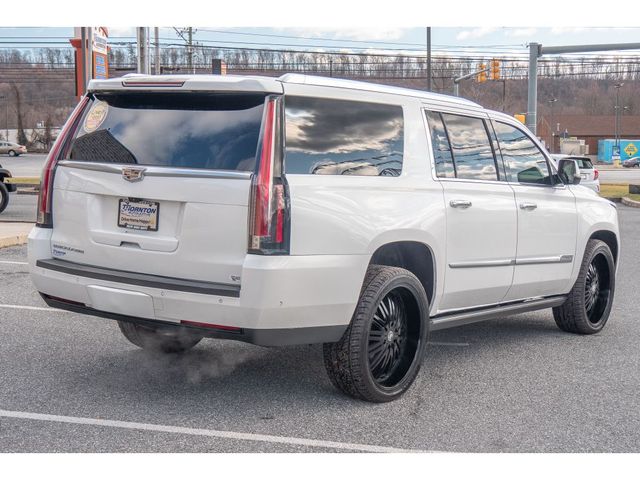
x=564, y=30
x=475, y=33
x=520, y=32
x=373, y=33
x=122, y=31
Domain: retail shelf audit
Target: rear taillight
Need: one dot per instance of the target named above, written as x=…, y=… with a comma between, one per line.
x=596, y=173
x=269, y=203
x=57, y=151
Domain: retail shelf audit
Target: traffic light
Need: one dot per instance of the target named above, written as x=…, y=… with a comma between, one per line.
x=482, y=75
x=495, y=69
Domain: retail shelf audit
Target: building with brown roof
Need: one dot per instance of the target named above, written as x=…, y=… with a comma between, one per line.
x=589, y=128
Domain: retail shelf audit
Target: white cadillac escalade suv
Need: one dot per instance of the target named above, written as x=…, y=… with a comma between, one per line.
x=299, y=210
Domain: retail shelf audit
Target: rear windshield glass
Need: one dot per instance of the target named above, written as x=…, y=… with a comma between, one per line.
x=186, y=130
x=584, y=163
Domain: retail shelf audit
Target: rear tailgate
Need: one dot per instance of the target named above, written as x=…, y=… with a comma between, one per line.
x=158, y=183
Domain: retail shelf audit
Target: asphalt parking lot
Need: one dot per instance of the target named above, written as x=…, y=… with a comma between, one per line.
x=514, y=384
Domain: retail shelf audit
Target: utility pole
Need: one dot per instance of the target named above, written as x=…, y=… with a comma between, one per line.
x=6, y=116
x=190, y=49
x=143, y=50
x=83, y=54
x=429, y=58
x=532, y=100
x=617, y=112
x=189, y=41
x=552, y=103
x=156, y=35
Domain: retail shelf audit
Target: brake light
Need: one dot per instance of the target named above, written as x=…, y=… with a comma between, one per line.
x=269, y=212
x=596, y=173
x=46, y=181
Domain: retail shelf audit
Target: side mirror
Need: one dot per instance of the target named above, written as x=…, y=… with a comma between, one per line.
x=569, y=171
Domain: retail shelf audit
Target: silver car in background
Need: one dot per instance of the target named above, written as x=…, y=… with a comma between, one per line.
x=589, y=173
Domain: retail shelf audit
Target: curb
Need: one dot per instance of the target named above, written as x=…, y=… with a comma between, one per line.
x=13, y=240
x=630, y=203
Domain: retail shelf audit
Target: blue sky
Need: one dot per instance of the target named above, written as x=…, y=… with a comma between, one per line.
x=498, y=39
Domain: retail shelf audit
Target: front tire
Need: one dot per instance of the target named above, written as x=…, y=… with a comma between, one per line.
x=165, y=340
x=4, y=197
x=380, y=354
x=588, y=305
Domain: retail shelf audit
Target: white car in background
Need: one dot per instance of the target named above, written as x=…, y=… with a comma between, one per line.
x=588, y=173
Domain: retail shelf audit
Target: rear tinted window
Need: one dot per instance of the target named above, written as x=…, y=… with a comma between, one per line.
x=187, y=130
x=472, y=151
x=339, y=137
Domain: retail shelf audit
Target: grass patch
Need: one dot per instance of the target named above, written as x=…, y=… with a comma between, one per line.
x=24, y=180
x=617, y=190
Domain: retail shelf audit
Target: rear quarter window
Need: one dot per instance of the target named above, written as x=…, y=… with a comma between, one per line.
x=182, y=130
x=343, y=137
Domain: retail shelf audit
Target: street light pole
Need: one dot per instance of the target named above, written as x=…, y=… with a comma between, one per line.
x=552, y=103
x=617, y=118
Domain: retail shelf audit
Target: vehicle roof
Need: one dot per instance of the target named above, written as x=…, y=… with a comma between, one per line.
x=250, y=83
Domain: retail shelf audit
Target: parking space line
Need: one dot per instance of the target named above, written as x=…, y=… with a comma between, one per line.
x=449, y=344
x=9, y=262
x=28, y=307
x=254, y=437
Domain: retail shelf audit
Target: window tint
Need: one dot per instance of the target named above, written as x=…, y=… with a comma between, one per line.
x=524, y=161
x=339, y=137
x=440, y=144
x=472, y=152
x=188, y=130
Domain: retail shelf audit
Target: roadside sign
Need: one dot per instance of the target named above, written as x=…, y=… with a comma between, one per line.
x=631, y=150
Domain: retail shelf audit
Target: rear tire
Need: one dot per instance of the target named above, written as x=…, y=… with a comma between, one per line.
x=12, y=153
x=165, y=340
x=380, y=354
x=588, y=305
x=4, y=197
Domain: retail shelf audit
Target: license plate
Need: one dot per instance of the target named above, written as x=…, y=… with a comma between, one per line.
x=137, y=214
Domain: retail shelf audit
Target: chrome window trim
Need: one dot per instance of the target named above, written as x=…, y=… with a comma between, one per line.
x=157, y=171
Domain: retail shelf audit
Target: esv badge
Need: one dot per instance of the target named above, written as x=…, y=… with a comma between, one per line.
x=133, y=174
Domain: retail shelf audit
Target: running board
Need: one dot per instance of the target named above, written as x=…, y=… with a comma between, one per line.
x=450, y=320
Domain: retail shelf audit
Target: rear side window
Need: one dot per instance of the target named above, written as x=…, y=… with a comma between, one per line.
x=342, y=137
x=471, y=147
x=524, y=161
x=185, y=130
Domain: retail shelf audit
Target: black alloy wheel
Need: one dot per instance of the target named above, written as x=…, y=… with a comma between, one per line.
x=381, y=352
x=588, y=304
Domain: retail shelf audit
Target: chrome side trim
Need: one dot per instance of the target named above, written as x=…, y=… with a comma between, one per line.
x=483, y=263
x=508, y=262
x=449, y=320
x=544, y=260
x=155, y=171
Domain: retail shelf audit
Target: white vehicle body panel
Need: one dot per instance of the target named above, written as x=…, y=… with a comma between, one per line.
x=500, y=253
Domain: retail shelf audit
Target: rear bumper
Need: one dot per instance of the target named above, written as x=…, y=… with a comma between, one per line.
x=283, y=300
x=268, y=337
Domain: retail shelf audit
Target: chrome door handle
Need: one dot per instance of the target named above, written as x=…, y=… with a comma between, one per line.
x=460, y=203
x=528, y=206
